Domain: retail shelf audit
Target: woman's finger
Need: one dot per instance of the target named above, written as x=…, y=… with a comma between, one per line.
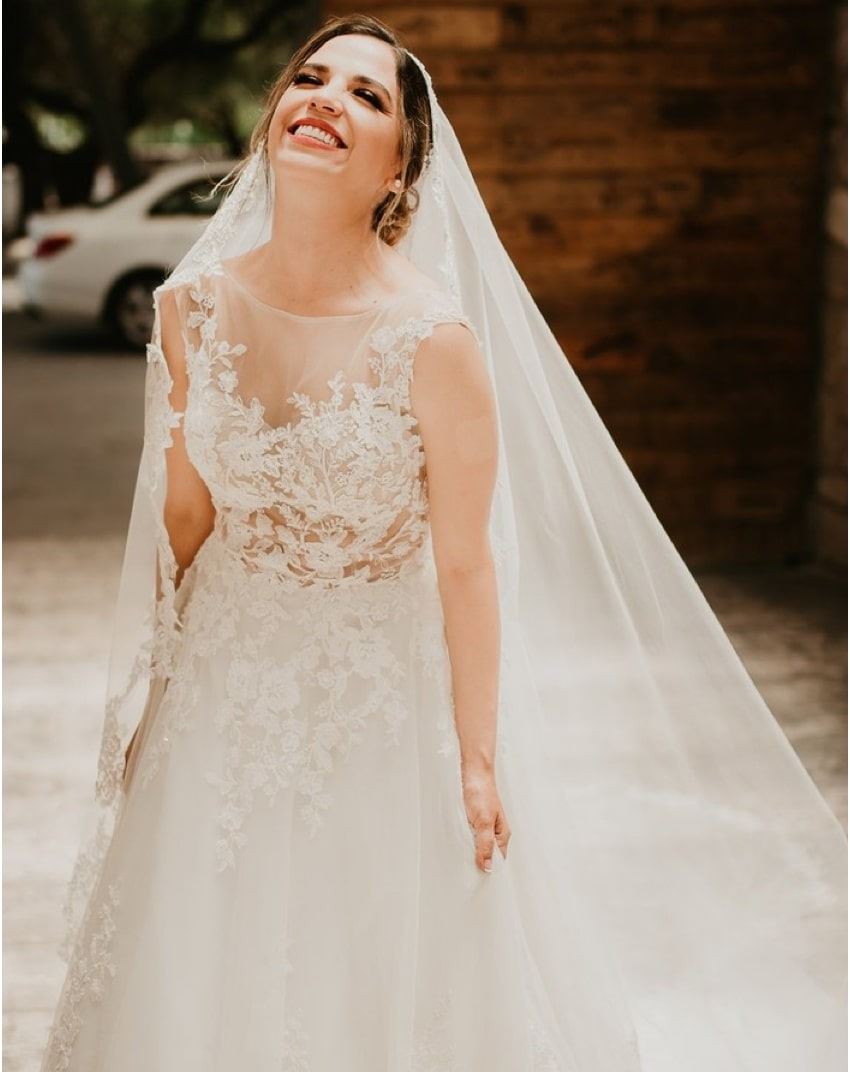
x=484, y=842
x=502, y=833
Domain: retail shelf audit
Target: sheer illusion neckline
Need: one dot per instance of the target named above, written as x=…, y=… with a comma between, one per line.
x=377, y=308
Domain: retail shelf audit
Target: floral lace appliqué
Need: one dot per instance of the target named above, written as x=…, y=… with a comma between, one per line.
x=91, y=969
x=333, y=504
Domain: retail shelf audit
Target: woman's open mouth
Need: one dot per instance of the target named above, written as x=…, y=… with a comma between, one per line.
x=316, y=137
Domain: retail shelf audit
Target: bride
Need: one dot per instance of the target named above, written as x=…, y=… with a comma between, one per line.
x=422, y=750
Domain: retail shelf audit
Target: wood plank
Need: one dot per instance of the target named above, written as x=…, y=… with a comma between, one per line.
x=706, y=194
x=625, y=149
x=720, y=273
x=380, y=8
x=584, y=24
x=548, y=68
x=667, y=356
x=542, y=232
x=585, y=109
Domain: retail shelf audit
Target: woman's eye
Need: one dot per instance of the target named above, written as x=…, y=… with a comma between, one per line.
x=313, y=79
x=371, y=97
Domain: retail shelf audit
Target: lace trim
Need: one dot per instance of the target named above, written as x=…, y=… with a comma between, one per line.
x=91, y=968
x=287, y=724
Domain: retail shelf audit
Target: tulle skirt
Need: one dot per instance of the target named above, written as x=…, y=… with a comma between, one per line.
x=291, y=883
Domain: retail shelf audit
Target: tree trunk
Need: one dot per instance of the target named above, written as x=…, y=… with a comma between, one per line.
x=106, y=111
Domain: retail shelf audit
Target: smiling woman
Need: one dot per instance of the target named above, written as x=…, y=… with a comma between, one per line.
x=372, y=101
x=423, y=751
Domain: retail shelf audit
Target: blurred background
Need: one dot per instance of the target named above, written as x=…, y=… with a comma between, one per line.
x=670, y=179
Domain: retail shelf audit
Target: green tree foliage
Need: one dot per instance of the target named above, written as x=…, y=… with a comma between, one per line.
x=88, y=81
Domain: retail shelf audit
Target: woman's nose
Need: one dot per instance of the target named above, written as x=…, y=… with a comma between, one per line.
x=326, y=105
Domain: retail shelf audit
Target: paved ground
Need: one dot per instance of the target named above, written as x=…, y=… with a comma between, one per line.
x=72, y=428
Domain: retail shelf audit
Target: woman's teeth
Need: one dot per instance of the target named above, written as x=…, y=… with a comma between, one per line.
x=320, y=135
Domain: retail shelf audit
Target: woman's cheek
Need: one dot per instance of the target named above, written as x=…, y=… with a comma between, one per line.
x=276, y=124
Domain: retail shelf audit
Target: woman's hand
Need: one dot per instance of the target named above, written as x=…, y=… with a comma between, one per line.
x=485, y=815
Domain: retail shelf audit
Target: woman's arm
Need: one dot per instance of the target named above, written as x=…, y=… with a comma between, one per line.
x=188, y=512
x=453, y=402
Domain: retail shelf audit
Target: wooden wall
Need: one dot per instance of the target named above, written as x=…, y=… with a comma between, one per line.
x=830, y=503
x=656, y=171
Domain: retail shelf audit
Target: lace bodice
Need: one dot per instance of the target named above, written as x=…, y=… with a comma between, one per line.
x=302, y=429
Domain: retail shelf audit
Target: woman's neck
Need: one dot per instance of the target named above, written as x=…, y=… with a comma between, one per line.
x=324, y=258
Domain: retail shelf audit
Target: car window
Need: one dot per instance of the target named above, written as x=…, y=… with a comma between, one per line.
x=190, y=199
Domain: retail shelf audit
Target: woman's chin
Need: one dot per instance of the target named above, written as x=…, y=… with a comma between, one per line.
x=289, y=166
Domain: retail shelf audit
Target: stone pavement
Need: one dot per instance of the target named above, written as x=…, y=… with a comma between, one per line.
x=72, y=431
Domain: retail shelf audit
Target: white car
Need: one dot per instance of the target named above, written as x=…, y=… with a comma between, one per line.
x=102, y=262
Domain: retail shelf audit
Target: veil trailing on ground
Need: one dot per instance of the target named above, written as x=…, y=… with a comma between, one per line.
x=637, y=756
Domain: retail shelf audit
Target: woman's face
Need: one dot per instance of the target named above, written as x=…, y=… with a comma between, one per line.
x=349, y=84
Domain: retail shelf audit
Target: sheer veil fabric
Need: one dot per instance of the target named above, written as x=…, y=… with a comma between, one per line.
x=680, y=880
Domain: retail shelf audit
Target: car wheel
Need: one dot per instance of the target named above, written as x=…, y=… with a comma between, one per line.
x=131, y=309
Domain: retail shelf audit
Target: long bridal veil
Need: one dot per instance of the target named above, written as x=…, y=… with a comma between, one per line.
x=644, y=773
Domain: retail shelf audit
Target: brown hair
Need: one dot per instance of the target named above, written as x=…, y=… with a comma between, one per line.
x=392, y=215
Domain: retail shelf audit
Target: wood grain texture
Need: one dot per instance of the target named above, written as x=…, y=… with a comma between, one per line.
x=657, y=172
x=829, y=505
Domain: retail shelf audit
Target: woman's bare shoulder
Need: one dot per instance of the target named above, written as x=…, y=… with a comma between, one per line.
x=412, y=281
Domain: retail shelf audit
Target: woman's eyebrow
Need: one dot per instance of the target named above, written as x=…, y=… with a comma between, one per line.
x=323, y=68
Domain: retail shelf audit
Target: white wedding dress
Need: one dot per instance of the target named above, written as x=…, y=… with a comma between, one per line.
x=286, y=880
x=291, y=884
